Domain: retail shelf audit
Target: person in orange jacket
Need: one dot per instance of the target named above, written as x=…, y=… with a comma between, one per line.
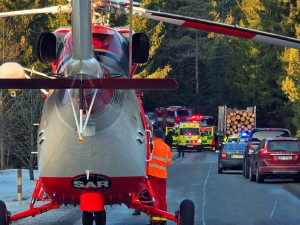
x=157, y=173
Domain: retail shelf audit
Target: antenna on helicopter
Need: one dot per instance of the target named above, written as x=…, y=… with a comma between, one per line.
x=130, y=37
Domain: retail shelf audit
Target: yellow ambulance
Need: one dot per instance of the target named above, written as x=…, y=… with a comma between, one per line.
x=189, y=136
x=207, y=137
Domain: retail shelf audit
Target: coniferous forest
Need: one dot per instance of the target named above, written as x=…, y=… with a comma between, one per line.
x=211, y=69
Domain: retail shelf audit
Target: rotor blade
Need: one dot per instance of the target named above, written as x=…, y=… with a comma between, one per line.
x=53, y=10
x=110, y=83
x=220, y=28
x=124, y=2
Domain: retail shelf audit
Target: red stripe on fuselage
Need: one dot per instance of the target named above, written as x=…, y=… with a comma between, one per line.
x=219, y=30
x=60, y=189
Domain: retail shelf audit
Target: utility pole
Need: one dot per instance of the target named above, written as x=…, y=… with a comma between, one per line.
x=1, y=133
x=2, y=155
x=3, y=42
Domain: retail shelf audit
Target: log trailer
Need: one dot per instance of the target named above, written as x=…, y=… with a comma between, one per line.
x=235, y=121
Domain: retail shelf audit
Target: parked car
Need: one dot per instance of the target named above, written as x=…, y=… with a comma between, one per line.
x=231, y=156
x=275, y=158
x=255, y=137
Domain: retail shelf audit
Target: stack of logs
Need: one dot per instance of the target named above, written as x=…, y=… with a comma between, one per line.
x=238, y=121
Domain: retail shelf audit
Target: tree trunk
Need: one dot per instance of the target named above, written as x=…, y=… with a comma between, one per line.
x=196, y=66
x=31, y=161
x=2, y=155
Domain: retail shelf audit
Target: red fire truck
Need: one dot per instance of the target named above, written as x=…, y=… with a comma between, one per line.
x=170, y=116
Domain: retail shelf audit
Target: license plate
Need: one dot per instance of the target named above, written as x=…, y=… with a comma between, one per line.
x=237, y=156
x=284, y=157
x=190, y=146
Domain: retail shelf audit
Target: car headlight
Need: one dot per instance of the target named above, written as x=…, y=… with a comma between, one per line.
x=199, y=141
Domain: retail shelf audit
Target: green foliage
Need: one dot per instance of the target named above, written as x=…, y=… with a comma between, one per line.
x=19, y=36
x=290, y=59
x=178, y=51
x=233, y=72
x=254, y=71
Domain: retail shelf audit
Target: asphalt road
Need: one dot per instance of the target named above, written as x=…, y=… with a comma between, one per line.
x=220, y=199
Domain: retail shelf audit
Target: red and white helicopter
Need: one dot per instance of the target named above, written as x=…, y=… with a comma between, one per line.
x=93, y=139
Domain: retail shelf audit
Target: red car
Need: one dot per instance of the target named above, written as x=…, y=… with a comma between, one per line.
x=275, y=158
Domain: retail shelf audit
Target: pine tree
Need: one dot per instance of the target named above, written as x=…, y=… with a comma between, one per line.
x=255, y=67
x=290, y=58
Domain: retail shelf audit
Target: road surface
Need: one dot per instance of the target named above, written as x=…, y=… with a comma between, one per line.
x=220, y=199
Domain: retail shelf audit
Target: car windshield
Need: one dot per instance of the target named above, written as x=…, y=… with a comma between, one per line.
x=260, y=135
x=287, y=146
x=234, y=147
x=232, y=139
x=189, y=131
x=207, y=131
x=243, y=139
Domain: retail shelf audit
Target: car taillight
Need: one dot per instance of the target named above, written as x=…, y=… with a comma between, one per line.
x=263, y=151
x=213, y=142
x=249, y=147
x=223, y=155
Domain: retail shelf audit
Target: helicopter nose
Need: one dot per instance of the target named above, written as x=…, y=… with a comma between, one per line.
x=83, y=69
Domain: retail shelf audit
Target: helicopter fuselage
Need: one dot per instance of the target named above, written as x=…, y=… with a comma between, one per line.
x=111, y=157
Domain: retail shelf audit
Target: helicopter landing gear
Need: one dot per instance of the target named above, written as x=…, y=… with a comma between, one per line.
x=3, y=214
x=88, y=218
x=100, y=217
x=186, y=213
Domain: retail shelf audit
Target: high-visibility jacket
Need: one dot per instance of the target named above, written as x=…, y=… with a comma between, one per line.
x=161, y=158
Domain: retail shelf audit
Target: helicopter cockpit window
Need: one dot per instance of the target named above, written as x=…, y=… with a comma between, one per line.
x=112, y=52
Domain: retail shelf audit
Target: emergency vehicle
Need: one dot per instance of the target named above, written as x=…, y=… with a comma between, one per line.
x=203, y=121
x=170, y=116
x=189, y=136
x=207, y=137
x=206, y=129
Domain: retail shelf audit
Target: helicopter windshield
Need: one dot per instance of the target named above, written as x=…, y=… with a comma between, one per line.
x=110, y=49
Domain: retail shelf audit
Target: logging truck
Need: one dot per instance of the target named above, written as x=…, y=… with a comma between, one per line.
x=236, y=121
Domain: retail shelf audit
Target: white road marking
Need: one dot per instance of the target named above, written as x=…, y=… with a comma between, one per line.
x=274, y=207
x=204, y=195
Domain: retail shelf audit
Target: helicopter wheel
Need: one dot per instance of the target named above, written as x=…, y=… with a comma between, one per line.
x=186, y=213
x=87, y=218
x=100, y=217
x=3, y=214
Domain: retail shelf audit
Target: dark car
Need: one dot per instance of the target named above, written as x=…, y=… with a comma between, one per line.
x=275, y=158
x=255, y=137
x=231, y=157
